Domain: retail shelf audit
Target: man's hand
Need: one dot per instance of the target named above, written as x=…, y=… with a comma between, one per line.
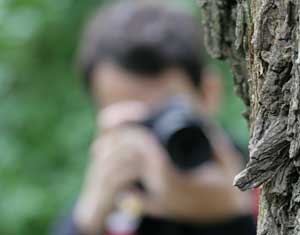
x=114, y=167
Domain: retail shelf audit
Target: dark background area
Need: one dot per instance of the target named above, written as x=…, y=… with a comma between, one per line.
x=46, y=117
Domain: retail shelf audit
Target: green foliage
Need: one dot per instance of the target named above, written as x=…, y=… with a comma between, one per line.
x=45, y=117
x=46, y=120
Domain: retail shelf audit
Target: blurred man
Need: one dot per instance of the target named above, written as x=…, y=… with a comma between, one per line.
x=135, y=56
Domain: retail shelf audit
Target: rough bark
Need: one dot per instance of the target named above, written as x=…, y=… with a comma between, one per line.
x=260, y=39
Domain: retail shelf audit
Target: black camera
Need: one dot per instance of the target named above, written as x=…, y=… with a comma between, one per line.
x=181, y=132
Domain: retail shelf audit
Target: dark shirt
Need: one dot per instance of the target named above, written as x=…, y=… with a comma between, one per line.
x=242, y=225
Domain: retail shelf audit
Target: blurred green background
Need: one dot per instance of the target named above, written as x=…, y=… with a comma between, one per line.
x=46, y=118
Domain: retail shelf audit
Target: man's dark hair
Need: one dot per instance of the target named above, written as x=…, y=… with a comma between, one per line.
x=143, y=38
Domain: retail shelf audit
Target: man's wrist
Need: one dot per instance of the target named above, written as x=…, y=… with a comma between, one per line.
x=90, y=214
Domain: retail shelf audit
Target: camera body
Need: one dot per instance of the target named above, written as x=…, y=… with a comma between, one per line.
x=181, y=132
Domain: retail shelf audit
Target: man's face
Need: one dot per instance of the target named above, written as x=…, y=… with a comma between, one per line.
x=112, y=84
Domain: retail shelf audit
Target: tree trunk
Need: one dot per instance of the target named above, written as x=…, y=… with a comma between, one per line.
x=260, y=39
